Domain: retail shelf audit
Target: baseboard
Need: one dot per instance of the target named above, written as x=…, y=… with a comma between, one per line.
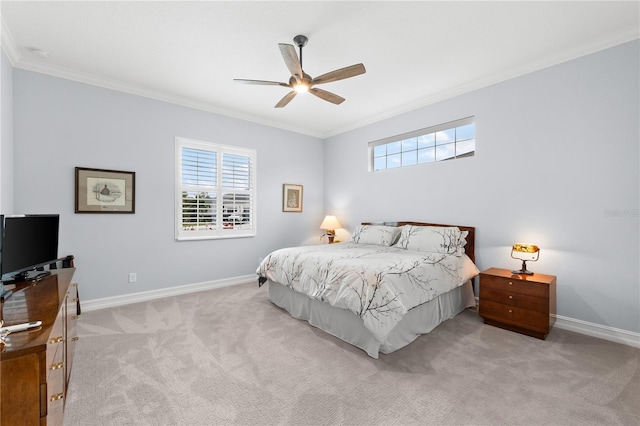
x=612, y=334
x=143, y=296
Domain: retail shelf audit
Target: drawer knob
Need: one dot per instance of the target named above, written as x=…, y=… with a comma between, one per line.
x=510, y=297
x=510, y=310
x=75, y=317
x=56, y=340
x=56, y=397
x=74, y=339
x=510, y=283
x=57, y=366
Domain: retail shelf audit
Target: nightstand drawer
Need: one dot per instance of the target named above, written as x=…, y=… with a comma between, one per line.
x=524, y=301
x=513, y=315
x=513, y=285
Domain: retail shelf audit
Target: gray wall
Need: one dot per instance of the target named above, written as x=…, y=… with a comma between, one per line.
x=556, y=164
x=6, y=135
x=60, y=124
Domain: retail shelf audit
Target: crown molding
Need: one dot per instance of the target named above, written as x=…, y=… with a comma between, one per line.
x=93, y=80
x=18, y=61
x=8, y=44
x=618, y=38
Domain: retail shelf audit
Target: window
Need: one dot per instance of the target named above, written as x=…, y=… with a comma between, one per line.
x=215, y=190
x=438, y=143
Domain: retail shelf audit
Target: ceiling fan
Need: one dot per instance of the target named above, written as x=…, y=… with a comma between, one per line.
x=300, y=81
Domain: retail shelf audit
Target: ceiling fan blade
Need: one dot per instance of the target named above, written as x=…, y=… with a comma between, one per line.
x=262, y=82
x=340, y=74
x=287, y=98
x=291, y=60
x=327, y=96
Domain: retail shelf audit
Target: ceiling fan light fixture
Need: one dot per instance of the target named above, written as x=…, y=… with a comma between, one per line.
x=301, y=88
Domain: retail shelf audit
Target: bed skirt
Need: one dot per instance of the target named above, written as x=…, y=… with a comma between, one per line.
x=347, y=326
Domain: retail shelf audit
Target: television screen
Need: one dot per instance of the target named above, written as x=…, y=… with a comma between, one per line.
x=27, y=242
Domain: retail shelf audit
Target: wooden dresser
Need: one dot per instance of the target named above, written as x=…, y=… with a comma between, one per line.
x=522, y=303
x=36, y=364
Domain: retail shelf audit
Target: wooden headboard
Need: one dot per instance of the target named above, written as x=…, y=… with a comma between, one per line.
x=469, y=248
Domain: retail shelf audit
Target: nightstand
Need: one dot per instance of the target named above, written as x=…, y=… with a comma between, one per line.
x=522, y=303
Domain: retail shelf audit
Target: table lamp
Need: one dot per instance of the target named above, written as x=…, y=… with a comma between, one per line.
x=330, y=224
x=525, y=252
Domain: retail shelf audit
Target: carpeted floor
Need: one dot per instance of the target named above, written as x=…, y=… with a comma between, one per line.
x=229, y=357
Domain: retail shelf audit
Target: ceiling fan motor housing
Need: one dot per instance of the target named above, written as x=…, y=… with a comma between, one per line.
x=306, y=79
x=300, y=40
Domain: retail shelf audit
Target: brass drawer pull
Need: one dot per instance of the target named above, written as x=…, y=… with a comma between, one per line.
x=75, y=299
x=510, y=310
x=510, y=297
x=57, y=397
x=75, y=317
x=75, y=339
x=510, y=283
x=56, y=340
x=57, y=366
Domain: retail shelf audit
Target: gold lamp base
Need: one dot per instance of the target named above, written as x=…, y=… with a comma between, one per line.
x=331, y=234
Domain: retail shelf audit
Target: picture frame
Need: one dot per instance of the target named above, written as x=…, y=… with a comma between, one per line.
x=291, y=198
x=105, y=191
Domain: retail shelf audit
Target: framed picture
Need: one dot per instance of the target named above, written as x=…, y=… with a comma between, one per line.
x=291, y=198
x=105, y=191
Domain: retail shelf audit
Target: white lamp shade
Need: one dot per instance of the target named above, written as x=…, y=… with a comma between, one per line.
x=330, y=222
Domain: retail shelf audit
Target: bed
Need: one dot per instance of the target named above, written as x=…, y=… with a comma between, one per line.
x=382, y=289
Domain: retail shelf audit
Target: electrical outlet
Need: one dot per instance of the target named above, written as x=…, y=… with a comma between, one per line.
x=133, y=277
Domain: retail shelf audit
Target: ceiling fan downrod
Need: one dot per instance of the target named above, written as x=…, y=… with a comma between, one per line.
x=300, y=41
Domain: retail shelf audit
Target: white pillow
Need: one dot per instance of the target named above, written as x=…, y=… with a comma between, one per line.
x=436, y=239
x=375, y=234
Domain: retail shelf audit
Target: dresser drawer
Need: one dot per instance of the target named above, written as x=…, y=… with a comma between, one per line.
x=72, y=327
x=55, y=396
x=72, y=299
x=530, y=288
x=56, y=364
x=56, y=340
x=513, y=315
x=514, y=299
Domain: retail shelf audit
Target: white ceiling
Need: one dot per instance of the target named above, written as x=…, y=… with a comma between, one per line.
x=415, y=53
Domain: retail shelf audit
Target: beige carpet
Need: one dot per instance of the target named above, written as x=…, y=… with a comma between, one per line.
x=229, y=357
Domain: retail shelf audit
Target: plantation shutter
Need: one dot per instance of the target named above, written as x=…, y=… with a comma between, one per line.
x=215, y=190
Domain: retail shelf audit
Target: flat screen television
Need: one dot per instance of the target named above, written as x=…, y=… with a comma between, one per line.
x=26, y=243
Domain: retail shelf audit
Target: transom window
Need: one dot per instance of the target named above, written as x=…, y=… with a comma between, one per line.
x=215, y=190
x=446, y=141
